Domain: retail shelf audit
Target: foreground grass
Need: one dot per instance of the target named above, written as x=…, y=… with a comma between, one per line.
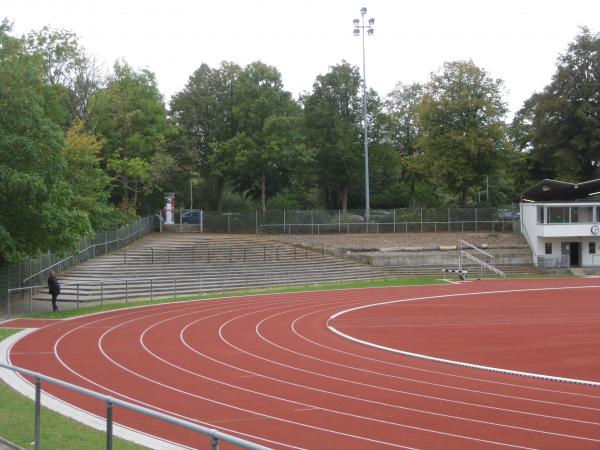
x=58, y=432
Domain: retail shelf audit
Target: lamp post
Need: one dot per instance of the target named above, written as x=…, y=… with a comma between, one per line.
x=358, y=26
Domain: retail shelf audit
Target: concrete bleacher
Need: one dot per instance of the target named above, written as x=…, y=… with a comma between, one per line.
x=170, y=264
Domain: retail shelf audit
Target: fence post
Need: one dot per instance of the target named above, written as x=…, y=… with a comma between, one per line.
x=284, y=221
x=394, y=220
x=341, y=279
x=421, y=220
x=214, y=443
x=228, y=222
x=175, y=288
x=126, y=292
x=151, y=289
x=38, y=412
x=125, y=256
x=152, y=249
x=223, y=281
x=31, y=300
x=246, y=283
x=8, y=297
x=77, y=300
x=312, y=223
x=256, y=219
x=339, y=221
x=448, y=219
x=101, y=292
x=201, y=221
x=230, y=254
x=109, y=424
x=200, y=285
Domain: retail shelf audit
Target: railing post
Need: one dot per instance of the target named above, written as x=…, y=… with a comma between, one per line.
x=214, y=443
x=175, y=288
x=77, y=299
x=101, y=292
x=31, y=300
x=109, y=425
x=126, y=292
x=151, y=290
x=8, y=298
x=38, y=412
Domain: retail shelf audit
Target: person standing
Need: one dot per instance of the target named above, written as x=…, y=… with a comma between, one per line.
x=53, y=289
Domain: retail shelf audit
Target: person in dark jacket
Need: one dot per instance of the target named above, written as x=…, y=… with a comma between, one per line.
x=54, y=289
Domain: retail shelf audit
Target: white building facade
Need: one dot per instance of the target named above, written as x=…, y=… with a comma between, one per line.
x=560, y=221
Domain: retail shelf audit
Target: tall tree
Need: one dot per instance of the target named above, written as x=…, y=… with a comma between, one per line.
x=402, y=131
x=132, y=120
x=559, y=128
x=333, y=116
x=73, y=76
x=204, y=111
x=463, y=135
x=268, y=147
x=35, y=200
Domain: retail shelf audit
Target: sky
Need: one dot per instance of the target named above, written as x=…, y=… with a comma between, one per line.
x=517, y=41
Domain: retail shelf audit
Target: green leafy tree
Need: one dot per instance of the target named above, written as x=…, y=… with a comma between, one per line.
x=89, y=184
x=132, y=120
x=35, y=200
x=205, y=113
x=333, y=117
x=559, y=128
x=269, y=148
x=463, y=136
x=401, y=132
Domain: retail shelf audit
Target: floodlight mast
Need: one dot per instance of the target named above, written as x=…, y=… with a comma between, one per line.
x=358, y=26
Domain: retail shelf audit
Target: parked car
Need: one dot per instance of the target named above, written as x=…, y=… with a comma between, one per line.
x=191, y=217
x=509, y=215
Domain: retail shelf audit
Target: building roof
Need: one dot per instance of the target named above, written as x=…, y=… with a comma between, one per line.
x=560, y=191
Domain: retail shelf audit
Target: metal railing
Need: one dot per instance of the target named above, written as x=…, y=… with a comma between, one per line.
x=489, y=264
x=352, y=221
x=110, y=402
x=125, y=289
x=91, y=250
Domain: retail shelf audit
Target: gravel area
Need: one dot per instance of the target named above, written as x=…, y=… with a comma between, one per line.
x=428, y=240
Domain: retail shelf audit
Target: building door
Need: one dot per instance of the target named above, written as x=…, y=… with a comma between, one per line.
x=575, y=254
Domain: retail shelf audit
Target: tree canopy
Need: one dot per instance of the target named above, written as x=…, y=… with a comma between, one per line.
x=83, y=149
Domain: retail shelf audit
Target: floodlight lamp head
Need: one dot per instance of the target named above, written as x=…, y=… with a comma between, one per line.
x=371, y=21
x=370, y=31
x=356, y=32
x=356, y=22
x=363, y=11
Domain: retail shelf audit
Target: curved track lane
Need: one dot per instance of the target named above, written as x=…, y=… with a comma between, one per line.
x=268, y=369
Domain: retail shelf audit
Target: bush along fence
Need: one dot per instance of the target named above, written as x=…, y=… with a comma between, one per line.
x=418, y=220
x=35, y=270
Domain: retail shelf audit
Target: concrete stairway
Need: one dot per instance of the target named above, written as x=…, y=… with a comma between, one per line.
x=172, y=264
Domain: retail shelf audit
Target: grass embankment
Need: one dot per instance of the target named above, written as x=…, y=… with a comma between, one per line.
x=17, y=415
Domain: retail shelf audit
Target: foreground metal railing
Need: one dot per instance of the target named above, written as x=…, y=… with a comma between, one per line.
x=214, y=435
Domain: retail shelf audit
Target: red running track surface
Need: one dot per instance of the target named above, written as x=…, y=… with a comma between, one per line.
x=268, y=369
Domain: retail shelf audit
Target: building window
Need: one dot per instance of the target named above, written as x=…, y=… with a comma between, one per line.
x=548, y=248
x=582, y=214
x=592, y=248
x=557, y=214
x=540, y=214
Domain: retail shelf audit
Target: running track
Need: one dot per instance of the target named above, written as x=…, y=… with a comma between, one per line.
x=270, y=369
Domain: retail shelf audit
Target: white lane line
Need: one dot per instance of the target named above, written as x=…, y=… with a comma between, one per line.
x=460, y=363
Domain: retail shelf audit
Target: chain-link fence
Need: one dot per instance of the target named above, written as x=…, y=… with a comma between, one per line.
x=35, y=270
x=419, y=220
